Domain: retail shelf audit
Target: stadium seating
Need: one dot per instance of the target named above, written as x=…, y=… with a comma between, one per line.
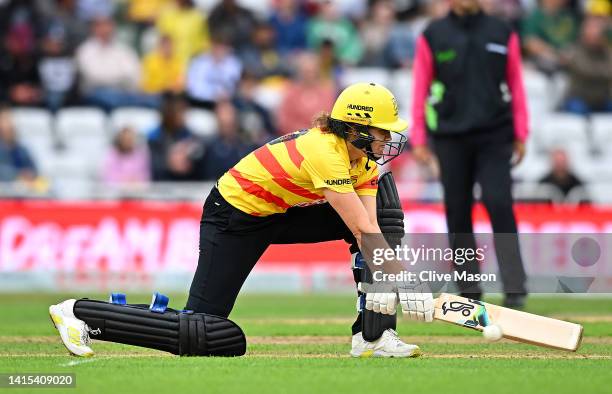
x=85, y=138
x=593, y=169
x=531, y=169
x=201, y=122
x=32, y=122
x=536, y=191
x=400, y=84
x=34, y=128
x=269, y=97
x=261, y=8
x=69, y=146
x=81, y=122
x=561, y=129
x=598, y=193
x=141, y=119
x=538, y=91
x=601, y=127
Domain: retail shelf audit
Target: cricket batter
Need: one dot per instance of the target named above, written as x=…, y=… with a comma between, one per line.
x=314, y=185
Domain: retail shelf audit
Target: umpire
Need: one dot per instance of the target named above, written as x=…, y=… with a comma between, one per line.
x=469, y=98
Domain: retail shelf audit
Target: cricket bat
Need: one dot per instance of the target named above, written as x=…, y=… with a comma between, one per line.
x=515, y=325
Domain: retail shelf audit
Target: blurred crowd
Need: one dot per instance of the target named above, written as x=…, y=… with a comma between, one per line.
x=173, y=54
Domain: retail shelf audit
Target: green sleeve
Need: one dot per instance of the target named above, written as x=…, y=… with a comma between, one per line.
x=529, y=27
x=352, y=50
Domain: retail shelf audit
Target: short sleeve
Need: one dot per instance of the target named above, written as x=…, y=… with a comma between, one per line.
x=367, y=183
x=328, y=170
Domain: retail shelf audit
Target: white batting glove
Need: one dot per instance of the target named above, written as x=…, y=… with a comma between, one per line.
x=418, y=304
x=416, y=301
x=384, y=303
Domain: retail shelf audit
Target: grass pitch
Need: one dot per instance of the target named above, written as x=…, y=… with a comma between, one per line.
x=300, y=344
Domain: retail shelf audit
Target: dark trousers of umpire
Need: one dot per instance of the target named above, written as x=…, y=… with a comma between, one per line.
x=231, y=243
x=482, y=157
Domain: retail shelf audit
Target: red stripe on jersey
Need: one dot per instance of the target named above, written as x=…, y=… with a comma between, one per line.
x=370, y=184
x=295, y=155
x=257, y=191
x=281, y=177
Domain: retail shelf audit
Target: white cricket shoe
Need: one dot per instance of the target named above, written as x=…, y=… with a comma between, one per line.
x=74, y=332
x=388, y=345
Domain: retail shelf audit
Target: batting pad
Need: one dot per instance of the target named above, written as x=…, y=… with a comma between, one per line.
x=389, y=211
x=177, y=332
x=390, y=217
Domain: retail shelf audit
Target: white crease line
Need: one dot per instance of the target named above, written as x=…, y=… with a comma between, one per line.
x=77, y=362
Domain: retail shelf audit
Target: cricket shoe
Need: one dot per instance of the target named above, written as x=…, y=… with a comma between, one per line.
x=388, y=345
x=74, y=332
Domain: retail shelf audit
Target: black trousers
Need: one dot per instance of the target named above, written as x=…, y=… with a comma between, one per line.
x=231, y=243
x=482, y=157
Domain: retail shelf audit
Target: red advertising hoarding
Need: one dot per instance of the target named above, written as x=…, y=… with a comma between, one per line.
x=139, y=238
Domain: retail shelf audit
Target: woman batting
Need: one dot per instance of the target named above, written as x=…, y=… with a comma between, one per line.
x=314, y=185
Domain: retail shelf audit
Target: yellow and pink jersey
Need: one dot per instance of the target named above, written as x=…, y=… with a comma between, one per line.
x=293, y=170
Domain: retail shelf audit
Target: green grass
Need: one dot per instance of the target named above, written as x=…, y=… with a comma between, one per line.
x=456, y=359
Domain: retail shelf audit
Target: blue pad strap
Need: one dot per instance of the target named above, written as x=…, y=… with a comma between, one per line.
x=362, y=302
x=117, y=298
x=159, y=303
x=359, y=262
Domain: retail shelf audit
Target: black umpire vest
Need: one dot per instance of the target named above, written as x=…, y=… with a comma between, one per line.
x=469, y=91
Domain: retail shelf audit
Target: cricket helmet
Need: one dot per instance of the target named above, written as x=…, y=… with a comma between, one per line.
x=363, y=105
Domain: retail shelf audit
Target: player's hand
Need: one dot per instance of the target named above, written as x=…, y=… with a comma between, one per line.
x=422, y=154
x=416, y=300
x=518, y=152
x=385, y=303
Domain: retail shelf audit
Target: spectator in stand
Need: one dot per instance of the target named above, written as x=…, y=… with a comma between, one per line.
x=560, y=175
x=187, y=27
x=509, y=10
x=261, y=58
x=213, y=75
x=19, y=31
x=143, y=14
x=402, y=45
x=328, y=24
x=305, y=97
x=127, y=162
x=598, y=7
x=376, y=33
x=355, y=10
x=57, y=70
x=547, y=31
x=23, y=17
x=404, y=33
x=232, y=21
x=16, y=164
x=255, y=120
x=174, y=148
x=162, y=69
x=89, y=10
x=61, y=15
x=331, y=67
x=109, y=70
x=602, y=10
x=228, y=146
x=589, y=65
x=289, y=24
